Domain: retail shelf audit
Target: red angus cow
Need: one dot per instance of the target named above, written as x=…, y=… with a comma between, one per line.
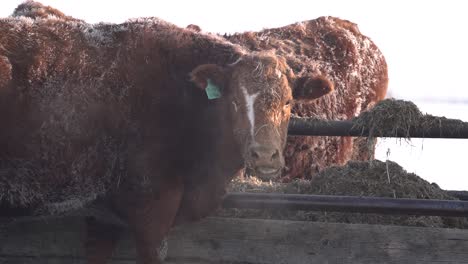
x=149, y=118
x=333, y=48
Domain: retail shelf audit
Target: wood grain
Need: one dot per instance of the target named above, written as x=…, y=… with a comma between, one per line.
x=228, y=240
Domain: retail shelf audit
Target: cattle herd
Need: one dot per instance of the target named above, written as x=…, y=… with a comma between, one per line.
x=153, y=120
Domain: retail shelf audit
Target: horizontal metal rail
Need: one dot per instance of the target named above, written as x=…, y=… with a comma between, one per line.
x=346, y=204
x=462, y=195
x=295, y=202
x=314, y=127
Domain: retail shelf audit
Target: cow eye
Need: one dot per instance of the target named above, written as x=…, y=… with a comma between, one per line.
x=288, y=103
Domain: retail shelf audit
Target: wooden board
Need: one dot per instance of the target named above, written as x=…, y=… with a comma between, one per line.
x=249, y=241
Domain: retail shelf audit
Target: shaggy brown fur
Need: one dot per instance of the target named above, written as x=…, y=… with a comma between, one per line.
x=112, y=112
x=36, y=10
x=194, y=28
x=337, y=50
x=326, y=46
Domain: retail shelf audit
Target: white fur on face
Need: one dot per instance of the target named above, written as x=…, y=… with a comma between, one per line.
x=249, y=103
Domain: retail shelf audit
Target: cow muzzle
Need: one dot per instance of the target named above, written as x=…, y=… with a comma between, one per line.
x=265, y=162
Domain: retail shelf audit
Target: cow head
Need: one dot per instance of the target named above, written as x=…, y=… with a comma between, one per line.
x=259, y=89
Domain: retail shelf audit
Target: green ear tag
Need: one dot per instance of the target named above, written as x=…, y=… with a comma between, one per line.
x=212, y=91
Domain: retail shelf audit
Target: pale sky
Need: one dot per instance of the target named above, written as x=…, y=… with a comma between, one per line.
x=425, y=43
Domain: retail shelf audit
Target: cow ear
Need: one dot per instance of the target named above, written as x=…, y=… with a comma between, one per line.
x=311, y=87
x=211, y=78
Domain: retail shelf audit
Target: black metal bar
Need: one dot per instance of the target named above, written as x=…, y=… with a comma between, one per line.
x=314, y=127
x=462, y=195
x=346, y=204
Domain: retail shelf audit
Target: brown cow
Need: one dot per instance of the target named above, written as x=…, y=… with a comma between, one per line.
x=146, y=117
x=334, y=48
x=327, y=46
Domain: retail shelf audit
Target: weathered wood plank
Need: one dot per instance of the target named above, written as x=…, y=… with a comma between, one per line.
x=68, y=260
x=225, y=240
x=51, y=260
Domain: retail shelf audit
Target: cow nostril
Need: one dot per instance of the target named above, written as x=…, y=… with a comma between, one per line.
x=254, y=154
x=275, y=155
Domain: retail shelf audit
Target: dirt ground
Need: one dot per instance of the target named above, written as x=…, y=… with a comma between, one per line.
x=356, y=178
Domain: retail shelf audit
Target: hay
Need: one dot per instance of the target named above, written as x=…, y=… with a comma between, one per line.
x=19, y=183
x=394, y=117
x=374, y=179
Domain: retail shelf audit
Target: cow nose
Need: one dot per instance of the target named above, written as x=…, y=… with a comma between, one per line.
x=265, y=154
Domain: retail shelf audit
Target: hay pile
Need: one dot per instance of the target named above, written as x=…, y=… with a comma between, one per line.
x=356, y=178
x=394, y=117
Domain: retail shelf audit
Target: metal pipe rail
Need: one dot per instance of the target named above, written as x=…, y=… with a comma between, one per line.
x=314, y=127
x=346, y=204
x=462, y=195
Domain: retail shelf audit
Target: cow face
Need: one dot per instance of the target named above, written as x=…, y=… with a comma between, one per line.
x=258, y=89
